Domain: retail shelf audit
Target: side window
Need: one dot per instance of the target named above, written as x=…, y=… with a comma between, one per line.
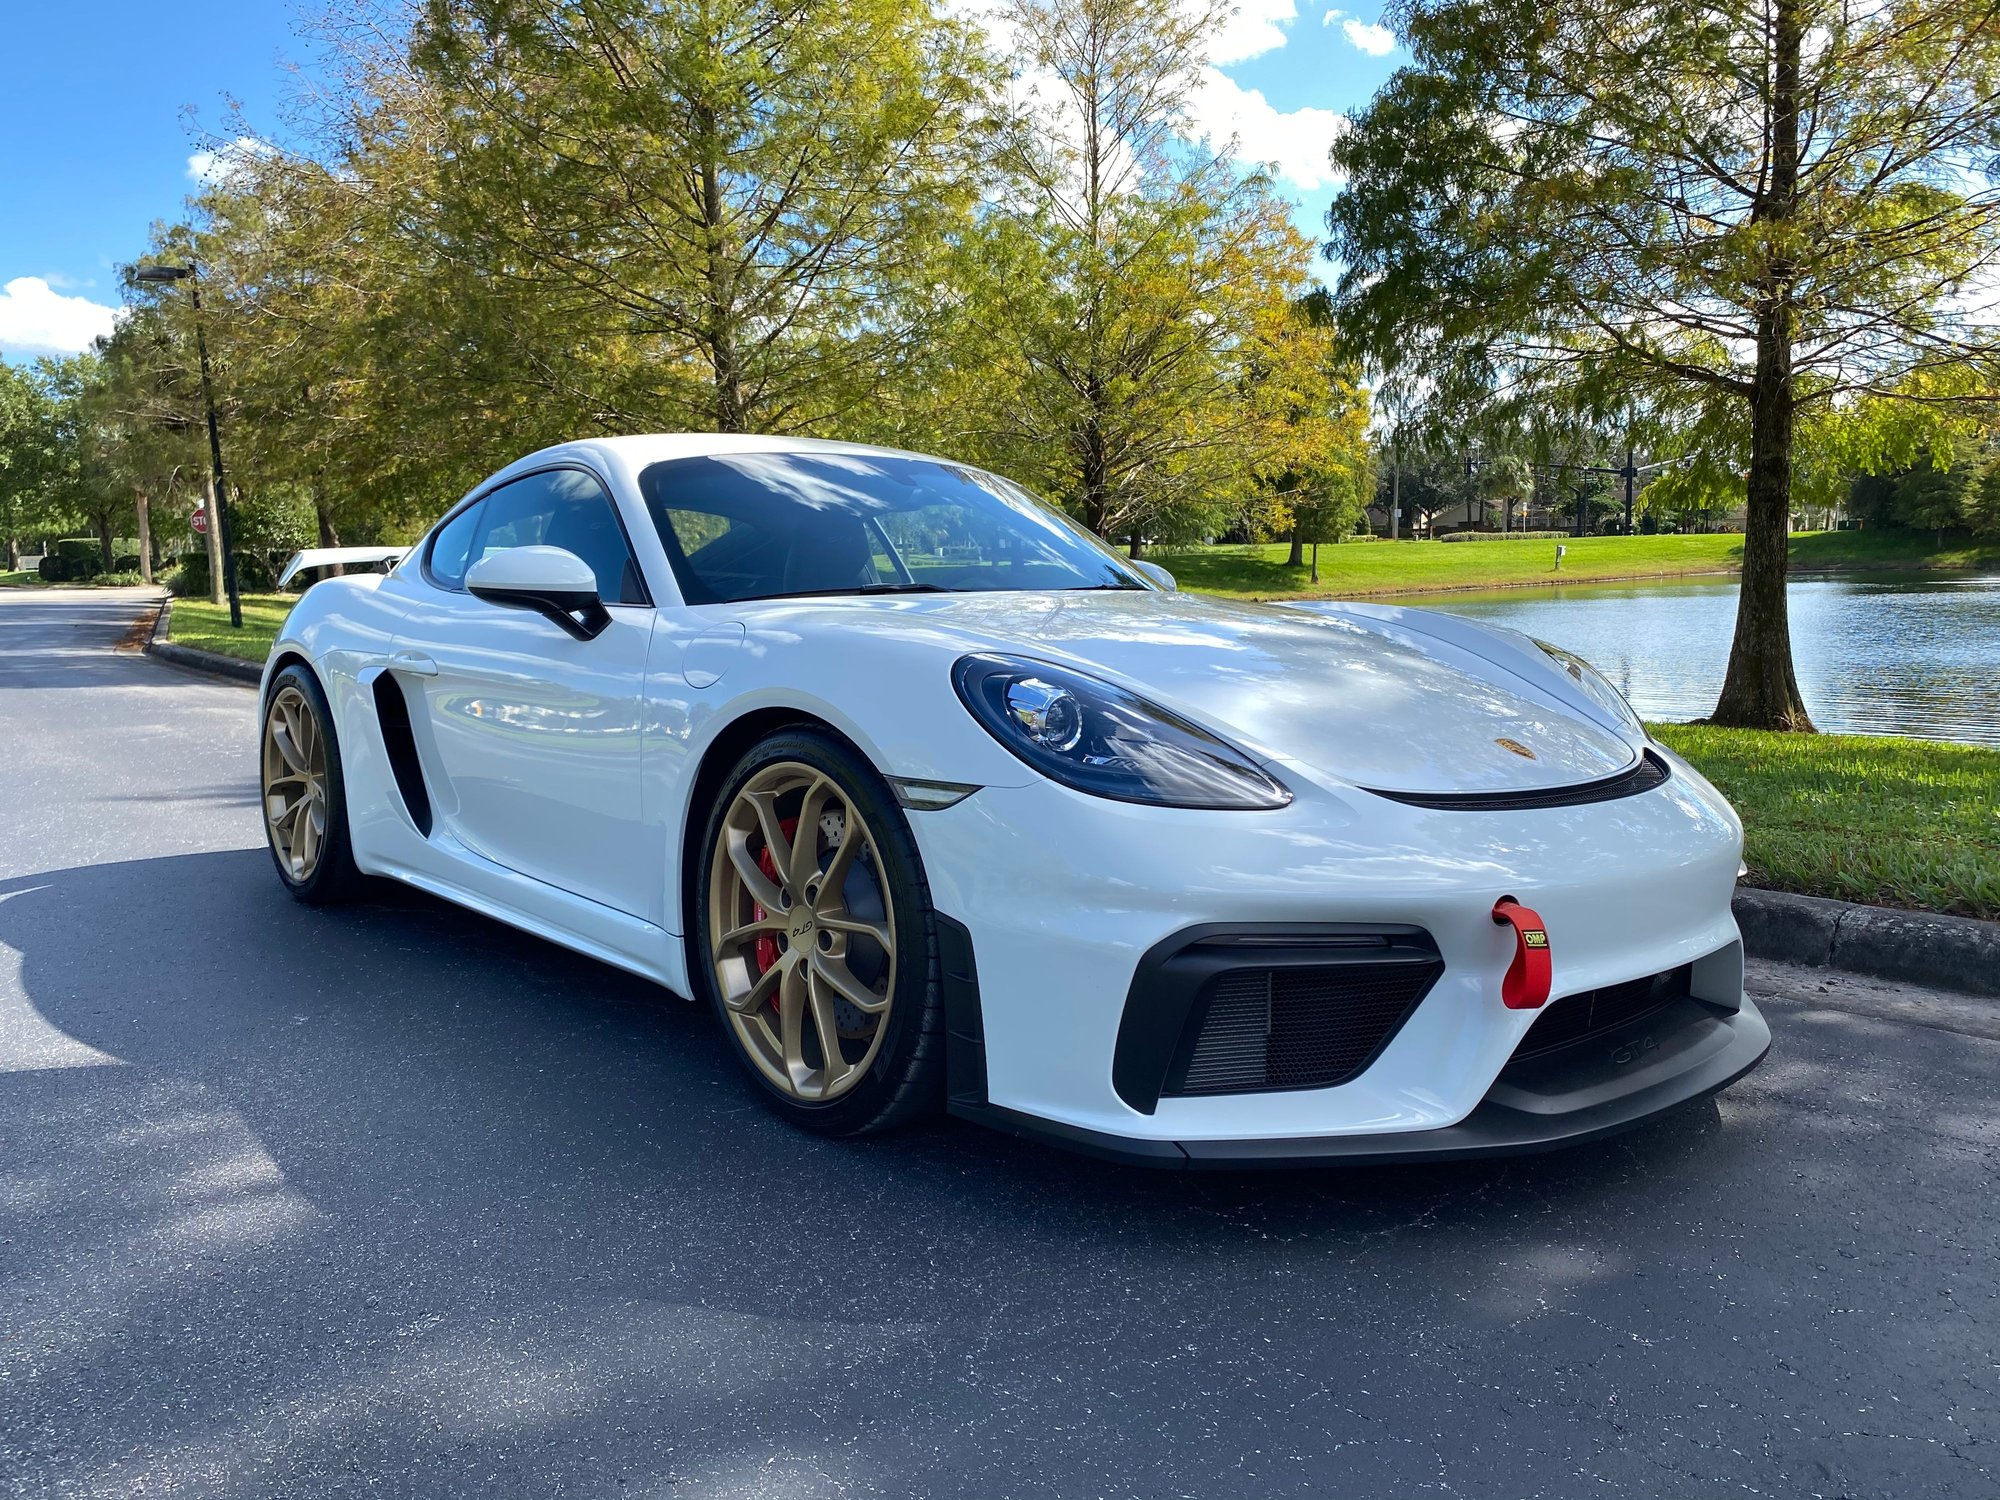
x=451, y=549
x=564, y=508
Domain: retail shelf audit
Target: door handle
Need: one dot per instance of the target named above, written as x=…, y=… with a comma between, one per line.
x=413, y=662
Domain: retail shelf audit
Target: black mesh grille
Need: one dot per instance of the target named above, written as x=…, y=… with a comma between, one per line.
x=1651, y=771
x=1575, y=1017
x=1296, y=1028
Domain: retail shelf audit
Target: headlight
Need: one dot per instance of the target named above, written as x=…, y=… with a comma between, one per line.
x=1596, y=684
x=1101, y=739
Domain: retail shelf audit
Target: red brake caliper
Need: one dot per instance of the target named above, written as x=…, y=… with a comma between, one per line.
x=767, y=945
x=1526, y=986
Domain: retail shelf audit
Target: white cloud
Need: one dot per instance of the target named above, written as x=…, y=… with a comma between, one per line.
x=1370, y=36
x=212, y=167
x=1295, y=141
x=1256, y=27
x=37, y=319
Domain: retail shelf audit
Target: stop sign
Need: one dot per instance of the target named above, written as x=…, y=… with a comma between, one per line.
x=199, y=521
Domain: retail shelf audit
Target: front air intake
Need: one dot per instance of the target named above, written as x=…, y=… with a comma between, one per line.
x=1272, y=1029
x=1575, y=1018
x=1257, y=1009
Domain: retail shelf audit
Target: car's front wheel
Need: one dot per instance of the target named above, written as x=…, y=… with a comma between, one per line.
x=305, y=796
x=814, y=939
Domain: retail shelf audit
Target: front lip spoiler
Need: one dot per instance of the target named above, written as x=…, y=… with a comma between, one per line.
x=1583, y=1092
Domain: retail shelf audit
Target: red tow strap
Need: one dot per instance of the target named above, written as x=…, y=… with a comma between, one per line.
x=1526, y=986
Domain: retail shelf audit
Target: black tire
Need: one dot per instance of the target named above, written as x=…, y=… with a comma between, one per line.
x=905, y=1079
x=334, y=876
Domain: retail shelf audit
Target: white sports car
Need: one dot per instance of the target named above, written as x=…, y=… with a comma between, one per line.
x=940, y=803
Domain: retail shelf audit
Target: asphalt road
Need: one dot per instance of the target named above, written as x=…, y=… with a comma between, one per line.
x=392, y=1201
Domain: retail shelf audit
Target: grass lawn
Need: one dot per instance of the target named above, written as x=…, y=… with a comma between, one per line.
x=198, y=623
x=1347, y=569
x=18, y=579
x=1891, y=822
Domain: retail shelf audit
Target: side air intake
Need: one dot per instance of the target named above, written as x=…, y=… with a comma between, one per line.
x=392, y=712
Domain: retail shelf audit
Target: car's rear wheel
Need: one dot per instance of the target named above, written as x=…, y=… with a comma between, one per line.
x=814, y=938
x=305, y=798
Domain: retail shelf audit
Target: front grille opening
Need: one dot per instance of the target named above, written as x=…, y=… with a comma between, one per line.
x=1574, y=1018
x=1270, y=1029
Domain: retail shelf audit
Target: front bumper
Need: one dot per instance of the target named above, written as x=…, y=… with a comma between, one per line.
x=1064, y=896
x=1604, y=1084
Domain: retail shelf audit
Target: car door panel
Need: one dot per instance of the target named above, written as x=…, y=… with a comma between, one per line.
x=533, y=742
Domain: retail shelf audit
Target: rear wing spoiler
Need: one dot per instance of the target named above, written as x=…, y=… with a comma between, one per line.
x=326, y=557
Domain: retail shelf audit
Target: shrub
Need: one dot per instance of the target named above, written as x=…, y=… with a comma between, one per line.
x=190, y=575
x=1506, y=536
x=74, y=559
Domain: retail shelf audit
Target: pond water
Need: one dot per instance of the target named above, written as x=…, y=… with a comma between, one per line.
x=1905, y=653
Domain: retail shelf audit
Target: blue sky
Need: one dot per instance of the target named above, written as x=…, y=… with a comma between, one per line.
x=109, y=102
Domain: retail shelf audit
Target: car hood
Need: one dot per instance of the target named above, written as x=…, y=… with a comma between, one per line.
x=1353, y=697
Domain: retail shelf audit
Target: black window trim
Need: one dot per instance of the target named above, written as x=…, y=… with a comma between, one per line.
x=497, y=482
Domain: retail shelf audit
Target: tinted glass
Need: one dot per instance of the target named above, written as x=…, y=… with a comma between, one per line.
x=774, y=525
x=451, y=548
x=558, y=508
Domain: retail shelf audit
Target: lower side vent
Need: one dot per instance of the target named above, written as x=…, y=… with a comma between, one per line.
x=392, y=712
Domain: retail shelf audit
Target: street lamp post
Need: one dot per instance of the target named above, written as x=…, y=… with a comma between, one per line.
x=189, y=274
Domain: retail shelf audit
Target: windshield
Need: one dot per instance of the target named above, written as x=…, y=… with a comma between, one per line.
x=779, y=525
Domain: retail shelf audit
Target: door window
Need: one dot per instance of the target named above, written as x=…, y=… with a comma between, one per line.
x=451, y=548
x=564, y=508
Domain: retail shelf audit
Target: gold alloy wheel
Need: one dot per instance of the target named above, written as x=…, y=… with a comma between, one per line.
x=295, y=795
x=799, y=931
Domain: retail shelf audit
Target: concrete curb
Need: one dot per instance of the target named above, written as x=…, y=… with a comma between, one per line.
x=235, y=669
x=1915, y=947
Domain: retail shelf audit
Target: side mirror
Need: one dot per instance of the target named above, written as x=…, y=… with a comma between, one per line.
x=1158, y=574
x=547, y=580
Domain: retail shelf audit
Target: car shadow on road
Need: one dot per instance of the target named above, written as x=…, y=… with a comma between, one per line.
x=369, y=1016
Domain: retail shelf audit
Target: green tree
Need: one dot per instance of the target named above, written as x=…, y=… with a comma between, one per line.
x=37, y=458
x=1130, y=338
x=1736, y=210
x=1506, y=481
x=1939, y=493
x=734, y=208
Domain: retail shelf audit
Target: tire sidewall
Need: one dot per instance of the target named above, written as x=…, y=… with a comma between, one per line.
x=909, y=915
x=333, y=876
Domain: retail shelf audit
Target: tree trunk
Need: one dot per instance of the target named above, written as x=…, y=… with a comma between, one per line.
x=142, y=508
x=1132, y=542
x=1759, y=690
x=328, y=537
x=13, y=554
x=105, y=551
x=1298, y=557
x=1095, y=471
x=214, y=538
x=724, y=356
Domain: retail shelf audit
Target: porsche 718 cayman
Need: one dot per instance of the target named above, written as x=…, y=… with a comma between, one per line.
x=939, y=803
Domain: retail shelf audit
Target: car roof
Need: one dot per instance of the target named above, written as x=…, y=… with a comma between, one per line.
x=635, y=451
